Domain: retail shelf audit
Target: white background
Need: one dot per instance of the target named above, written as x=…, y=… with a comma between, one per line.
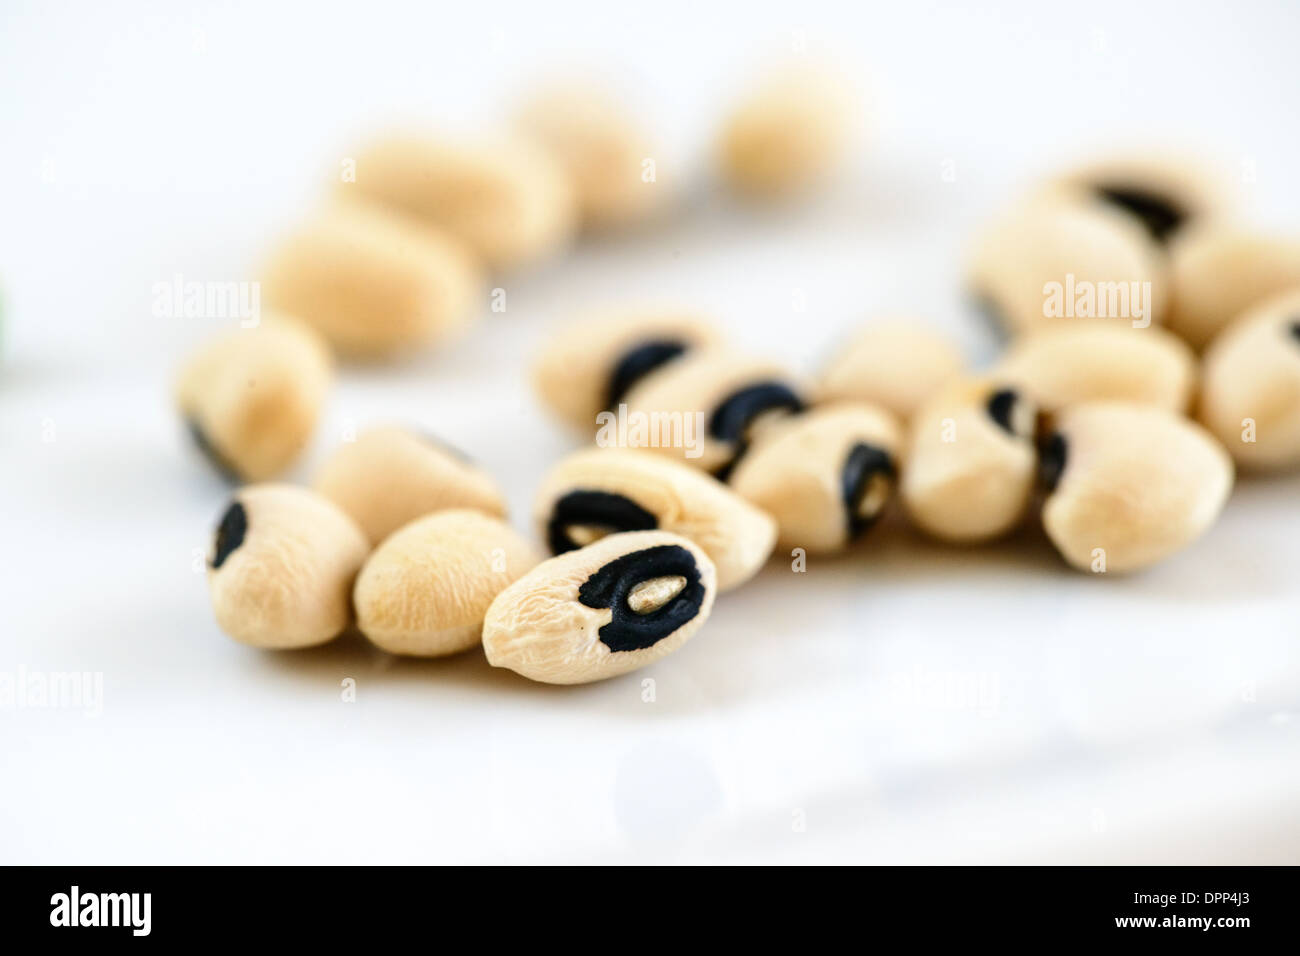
x=821, y=716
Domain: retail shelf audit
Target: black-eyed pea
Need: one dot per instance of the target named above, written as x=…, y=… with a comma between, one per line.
x=893, y=364
x=508, y=200
x=1250, y=393
x=608, y=157
x=970, y=461
x=1129, y=485
x=1065, y=363
x=597, y=491
x=1056, y=256
x=373, y=282
x=390, y=476
x=825, y=475
x=1167, y=193
x=251, y=397
x=590, y=366
x=706, y=407
x=281, y=567
x=791, y=131
x=1218, y=272
x=425, y=590
x=616, y=605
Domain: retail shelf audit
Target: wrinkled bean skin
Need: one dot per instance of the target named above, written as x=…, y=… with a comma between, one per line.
x=425, y=590
x=1065, y=363
x=570, y=620
x=970, y=461
x=509, y=201
x=251, y=397
x=281, y=567
x=591, y=365
x=1250, y=399
x=1051, y=237
x=1137, y=484
x=390, y=476
x=1220, y=272
x=824, y=475
x=374, y=283
x=627, y=490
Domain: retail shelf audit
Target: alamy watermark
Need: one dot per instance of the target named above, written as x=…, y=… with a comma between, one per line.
x=977, y=691
x=52, y=690
x=182, y=299
x=131, y=911
x=1085, y=299
x=637, y=429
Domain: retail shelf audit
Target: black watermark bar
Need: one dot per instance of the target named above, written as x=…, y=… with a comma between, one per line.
x=134, y=906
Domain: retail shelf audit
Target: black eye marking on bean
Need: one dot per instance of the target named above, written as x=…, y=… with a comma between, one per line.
x=1001, y=406
x=1160, y=216
x=1052, y=454
x=600, y=508
x=865, y=465
x=209, y=450
x=230, y=534
x=734, y=414
x=1295, y=330
x=610, y=586
x=636, y=364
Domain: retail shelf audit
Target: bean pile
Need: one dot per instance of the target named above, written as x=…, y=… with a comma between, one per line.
x=1120, y=434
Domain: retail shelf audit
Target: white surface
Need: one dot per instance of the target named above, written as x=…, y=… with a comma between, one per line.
x=908, y=703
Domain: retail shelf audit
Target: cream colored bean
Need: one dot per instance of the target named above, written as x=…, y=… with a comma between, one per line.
x=507, y=199
x=1130, y=485
x=1220, y=272
x=614, y=171
x=425, y=590
x=969, y=470
x=281, y=567
x=1167, y=193
x=1250, y=399
x=790, y=132
x=590, y=365
x=1088, y=253
x=391, y=476
x=710, y=403
x=373, y=282
x=1065, y=363
x=824, y=475
x=251, y=397
x=571, y=620
x=893, y=364
x=598, y=491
